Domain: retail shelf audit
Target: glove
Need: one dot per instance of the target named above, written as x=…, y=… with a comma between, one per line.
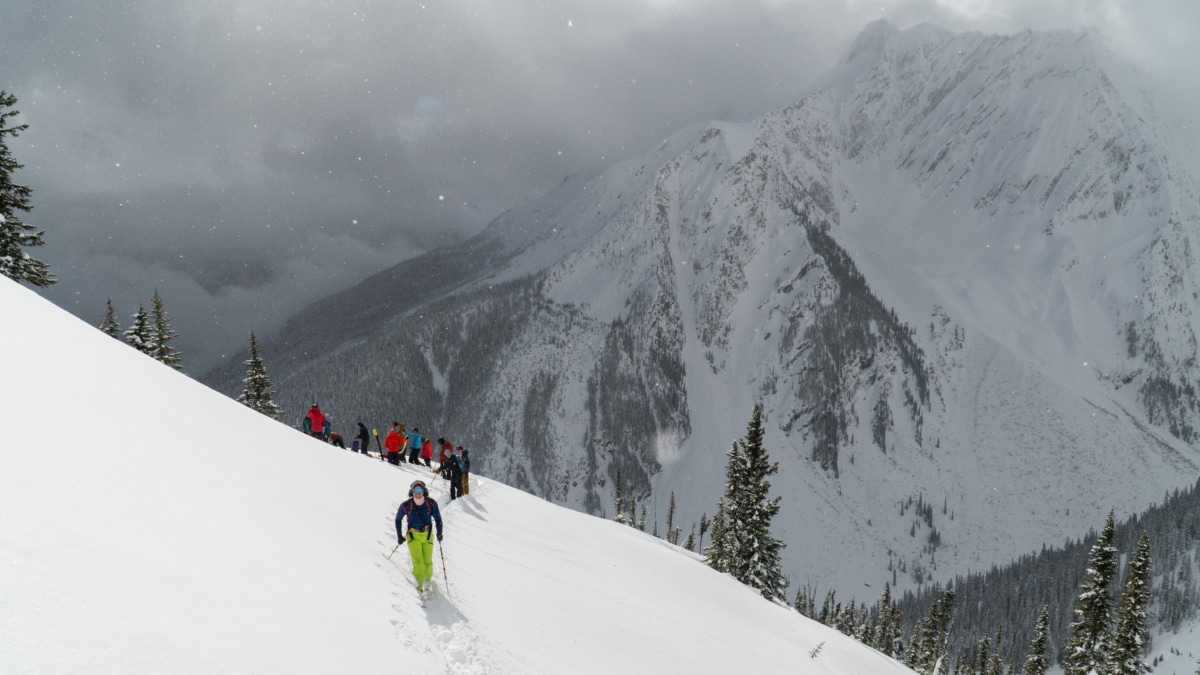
x=439, y=536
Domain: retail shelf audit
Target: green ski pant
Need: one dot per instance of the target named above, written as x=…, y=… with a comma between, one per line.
x=420, y=548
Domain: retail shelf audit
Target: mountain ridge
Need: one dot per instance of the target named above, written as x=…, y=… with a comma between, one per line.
x=960, y=263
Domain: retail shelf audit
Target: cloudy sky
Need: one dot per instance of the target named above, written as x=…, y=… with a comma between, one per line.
x=244, y=157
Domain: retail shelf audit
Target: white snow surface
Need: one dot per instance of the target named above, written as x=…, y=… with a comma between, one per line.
x=149, y=524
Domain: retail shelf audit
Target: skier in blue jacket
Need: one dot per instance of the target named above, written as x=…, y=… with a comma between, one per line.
x=422, y=513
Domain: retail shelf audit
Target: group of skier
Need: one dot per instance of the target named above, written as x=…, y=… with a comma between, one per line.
x=420, y=510
x=453, y=463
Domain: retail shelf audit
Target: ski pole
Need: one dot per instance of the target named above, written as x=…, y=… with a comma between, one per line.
x=398, y=546
x=446, y=577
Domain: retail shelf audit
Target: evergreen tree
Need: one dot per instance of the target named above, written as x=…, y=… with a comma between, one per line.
x=829, y=609
x=888, y=638
x=690, y=542
x=804, y=602
x=138, y=333
x=109, y=325
x=995, y=665
x=755, y=559
x=15, y=235
x=671, y=521
x=1038, y=662
x=618, y=500
x=984, y=656
x=927, y=651
x=703, y=528
x=256, y=394
x=161, y=335
x=1086, y=646
x=716, y=555
x=1130, y=635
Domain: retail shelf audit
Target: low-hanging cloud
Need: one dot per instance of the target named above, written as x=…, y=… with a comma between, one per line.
x=247, y=157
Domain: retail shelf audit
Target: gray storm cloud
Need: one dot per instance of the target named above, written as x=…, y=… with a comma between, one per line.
x=247, y=157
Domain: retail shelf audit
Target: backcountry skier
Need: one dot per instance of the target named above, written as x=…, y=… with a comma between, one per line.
x=422, y=513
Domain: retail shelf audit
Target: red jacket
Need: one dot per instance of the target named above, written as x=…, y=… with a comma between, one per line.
x=318, y=419
x=427, y=449
x=444, y=456
x=392, y=441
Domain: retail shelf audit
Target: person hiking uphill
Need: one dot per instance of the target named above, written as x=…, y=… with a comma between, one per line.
x=422, y=513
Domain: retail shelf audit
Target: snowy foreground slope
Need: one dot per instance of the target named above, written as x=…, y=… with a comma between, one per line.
x=151, y=525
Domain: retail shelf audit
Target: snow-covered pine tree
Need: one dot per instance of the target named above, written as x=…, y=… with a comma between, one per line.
x=15, y=236
x=704, y=524
x=1038, y=662
x=864, y=632
x=1130, y=634
x=257, y=391
x=690, y=542
x=927, y=650
x=161, y=334
x=108, y=325
x=755, y=560
x=996, y=665
x=1086, y=646
x=984, y=656
x=138, y=333
x=888, y=638
x=716, y=555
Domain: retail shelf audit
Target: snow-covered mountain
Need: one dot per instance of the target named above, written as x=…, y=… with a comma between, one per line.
x=150, y=525
x=958, y=276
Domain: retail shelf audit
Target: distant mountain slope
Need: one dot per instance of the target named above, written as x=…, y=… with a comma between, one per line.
x=958, y=272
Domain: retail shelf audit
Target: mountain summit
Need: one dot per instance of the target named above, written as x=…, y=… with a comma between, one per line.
x=958, y=274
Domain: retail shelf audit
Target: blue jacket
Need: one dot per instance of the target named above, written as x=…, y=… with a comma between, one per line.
x=414, y=440
x=420, y=518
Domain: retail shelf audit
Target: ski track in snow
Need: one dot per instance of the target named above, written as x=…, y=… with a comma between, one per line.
x=448, y=633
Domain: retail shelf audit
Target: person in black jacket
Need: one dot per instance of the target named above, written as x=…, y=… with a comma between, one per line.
x=457, y=469
x=364, y=438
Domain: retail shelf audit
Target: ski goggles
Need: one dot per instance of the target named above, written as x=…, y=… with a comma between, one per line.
x=418, y=491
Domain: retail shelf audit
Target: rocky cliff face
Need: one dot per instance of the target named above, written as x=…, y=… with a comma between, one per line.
x=965, y=262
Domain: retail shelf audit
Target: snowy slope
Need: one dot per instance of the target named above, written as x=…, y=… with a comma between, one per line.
x=151, y=525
